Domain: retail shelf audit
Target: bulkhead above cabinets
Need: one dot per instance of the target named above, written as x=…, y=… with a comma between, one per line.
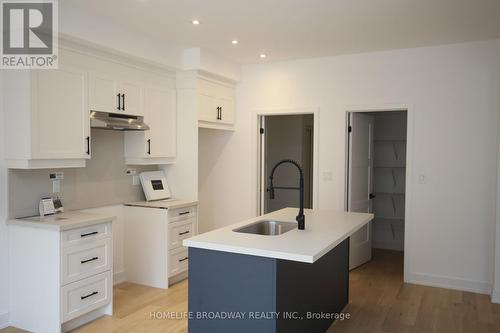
x=47, y=111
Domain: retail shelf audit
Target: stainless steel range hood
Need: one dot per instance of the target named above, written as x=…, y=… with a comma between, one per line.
x=117, y=121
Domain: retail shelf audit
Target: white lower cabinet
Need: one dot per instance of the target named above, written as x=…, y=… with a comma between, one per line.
x=85, y=260
x=154, y=255
x=179, y=260
x=60, y=279
x=86, y=295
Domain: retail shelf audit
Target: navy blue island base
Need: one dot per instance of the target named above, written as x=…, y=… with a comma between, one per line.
x=237, y=293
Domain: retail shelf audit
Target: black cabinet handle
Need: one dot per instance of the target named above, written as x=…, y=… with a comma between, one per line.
x=218, y=113
x=183, y=233
x=88, y=145
x=123, y=102
x=89, y=260
x=89, y=295
x=119, y=101
x=372, y=196
x=220, y=108
x=183, y=259
x=184, y=213
x=149, y=146
x=89, y=234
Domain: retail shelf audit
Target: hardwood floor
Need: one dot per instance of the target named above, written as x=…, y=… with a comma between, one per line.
x=379, y=302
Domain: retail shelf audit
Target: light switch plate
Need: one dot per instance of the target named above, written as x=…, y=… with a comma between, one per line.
x=56, y=186
x=327, y=176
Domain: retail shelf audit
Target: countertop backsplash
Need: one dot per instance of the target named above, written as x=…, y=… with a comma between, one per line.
x=103, y=182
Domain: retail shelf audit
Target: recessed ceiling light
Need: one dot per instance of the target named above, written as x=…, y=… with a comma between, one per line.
x=195, y=22
x=234, y=41
x=263, y=55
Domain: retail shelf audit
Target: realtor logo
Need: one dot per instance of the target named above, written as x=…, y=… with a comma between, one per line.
x=29, y=34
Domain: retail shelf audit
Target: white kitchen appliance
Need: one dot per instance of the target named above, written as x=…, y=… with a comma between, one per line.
x=154, y=185
x=46, y=206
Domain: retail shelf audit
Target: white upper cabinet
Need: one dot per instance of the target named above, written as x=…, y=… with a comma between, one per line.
x=103, y=93
x=158, y=144
x=216, y=105
x=131, y=98
x=47, y=112
x=46, y=118
x=109, y=94
x=160, y=108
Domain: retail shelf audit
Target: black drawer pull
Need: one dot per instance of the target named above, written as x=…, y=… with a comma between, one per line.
x=183, y=233
x=89, y=260
x=89, y=234
x=184, y=259
x=184, y=213
x=89, y=295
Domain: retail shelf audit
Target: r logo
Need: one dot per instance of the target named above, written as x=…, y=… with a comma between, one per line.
x=27, y=27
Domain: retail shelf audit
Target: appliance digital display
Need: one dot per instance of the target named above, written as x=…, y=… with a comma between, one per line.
x=157, y=185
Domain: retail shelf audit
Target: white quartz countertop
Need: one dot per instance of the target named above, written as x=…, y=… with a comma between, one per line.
x=164, y=204
x=325, y=229
x=63, y=221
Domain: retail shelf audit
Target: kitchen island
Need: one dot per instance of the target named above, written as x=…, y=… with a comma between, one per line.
x=296, y=281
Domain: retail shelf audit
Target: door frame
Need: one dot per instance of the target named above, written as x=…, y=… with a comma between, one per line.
x=410, y=229
x=260, y=116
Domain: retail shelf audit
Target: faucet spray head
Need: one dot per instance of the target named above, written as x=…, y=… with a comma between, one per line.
x=271, y=188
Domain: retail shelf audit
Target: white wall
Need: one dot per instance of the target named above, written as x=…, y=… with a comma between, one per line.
x=450, y=92
x=496, y=288
x=4, y=255
x=97, y=30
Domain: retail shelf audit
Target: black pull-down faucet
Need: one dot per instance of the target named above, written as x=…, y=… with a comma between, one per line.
x=300, y=218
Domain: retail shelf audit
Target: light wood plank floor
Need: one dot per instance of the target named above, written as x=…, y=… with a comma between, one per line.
x=379, y=302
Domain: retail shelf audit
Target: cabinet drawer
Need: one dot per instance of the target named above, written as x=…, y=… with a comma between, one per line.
x=86, y=295
x=84, y=260
x=179, y=214
x=178, y=261
x=180, y=230
x=85, y=234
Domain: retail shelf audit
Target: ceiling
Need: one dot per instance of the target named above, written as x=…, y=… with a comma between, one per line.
x=291, y=29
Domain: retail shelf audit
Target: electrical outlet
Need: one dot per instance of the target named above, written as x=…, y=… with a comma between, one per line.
x=56, y=175
x=422, y=179
x=135, y=180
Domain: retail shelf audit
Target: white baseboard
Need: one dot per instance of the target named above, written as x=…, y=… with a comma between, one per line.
x=449, y=283
x=119, y=277
x=4, y=320
x=495, y=296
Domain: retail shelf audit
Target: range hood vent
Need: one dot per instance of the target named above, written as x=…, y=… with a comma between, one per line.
x=117, y=121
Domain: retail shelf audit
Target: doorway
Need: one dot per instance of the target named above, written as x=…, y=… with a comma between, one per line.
x=289, y=136
x=376, y=180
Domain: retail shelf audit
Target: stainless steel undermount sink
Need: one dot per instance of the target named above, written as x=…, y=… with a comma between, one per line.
x=267, y=228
